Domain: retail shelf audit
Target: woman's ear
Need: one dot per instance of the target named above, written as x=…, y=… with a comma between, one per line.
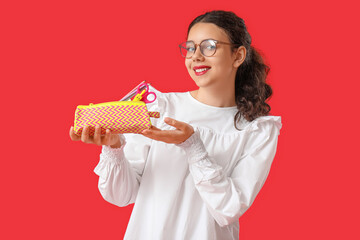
x=240, y=56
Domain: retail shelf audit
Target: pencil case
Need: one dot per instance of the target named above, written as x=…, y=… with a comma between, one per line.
x=118, y=117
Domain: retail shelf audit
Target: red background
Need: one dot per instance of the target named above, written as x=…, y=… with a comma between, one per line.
x=56, y=55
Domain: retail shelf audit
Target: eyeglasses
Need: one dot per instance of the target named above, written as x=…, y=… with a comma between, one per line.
x=207, y=47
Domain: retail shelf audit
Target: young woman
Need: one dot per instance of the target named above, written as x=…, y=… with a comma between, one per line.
x=200, y=167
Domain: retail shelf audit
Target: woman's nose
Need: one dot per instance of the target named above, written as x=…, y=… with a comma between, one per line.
x=197, y=56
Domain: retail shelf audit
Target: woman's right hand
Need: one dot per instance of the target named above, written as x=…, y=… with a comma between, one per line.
x=109, y=139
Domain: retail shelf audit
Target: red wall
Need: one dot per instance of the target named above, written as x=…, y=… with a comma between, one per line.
x=56, y=55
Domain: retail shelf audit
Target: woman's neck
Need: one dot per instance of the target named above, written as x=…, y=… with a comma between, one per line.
x=215, y=97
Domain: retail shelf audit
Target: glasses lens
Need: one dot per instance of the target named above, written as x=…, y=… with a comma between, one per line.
x=208, y=47
x=187, y=49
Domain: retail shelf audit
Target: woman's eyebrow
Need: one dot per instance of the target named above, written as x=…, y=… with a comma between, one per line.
x=189, y=40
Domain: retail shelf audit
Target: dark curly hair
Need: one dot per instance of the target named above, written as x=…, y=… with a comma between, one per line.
x=251, y=90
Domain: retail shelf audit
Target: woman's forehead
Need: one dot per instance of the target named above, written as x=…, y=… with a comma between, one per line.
x=201, y=31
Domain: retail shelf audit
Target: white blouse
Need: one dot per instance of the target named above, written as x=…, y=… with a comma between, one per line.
x=194, y=190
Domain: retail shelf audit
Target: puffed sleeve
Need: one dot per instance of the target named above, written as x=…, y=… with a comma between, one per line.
x=120, y=169
x=228, y=196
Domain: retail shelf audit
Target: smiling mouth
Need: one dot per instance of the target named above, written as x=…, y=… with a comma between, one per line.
x=201, y=71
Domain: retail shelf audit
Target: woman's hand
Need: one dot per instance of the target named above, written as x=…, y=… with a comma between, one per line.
x=109, y=139
x=182, y=132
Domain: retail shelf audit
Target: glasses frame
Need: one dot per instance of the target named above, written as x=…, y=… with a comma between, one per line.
x=198, y=44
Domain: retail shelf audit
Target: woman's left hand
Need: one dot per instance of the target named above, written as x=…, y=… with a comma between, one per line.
x=182, y=132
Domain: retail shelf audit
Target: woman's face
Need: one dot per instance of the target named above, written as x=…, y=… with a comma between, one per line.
x=220, y=69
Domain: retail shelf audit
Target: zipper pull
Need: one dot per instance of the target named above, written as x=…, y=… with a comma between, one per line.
x=139, y=96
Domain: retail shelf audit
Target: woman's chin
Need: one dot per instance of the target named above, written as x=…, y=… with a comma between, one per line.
x=201, y=82
x=204, y=84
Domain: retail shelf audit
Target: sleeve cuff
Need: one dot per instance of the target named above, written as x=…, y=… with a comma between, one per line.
x=114, y=155
x=200, y=166
x=194, y=147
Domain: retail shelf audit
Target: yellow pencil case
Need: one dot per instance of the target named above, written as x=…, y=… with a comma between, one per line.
x=118, y=117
